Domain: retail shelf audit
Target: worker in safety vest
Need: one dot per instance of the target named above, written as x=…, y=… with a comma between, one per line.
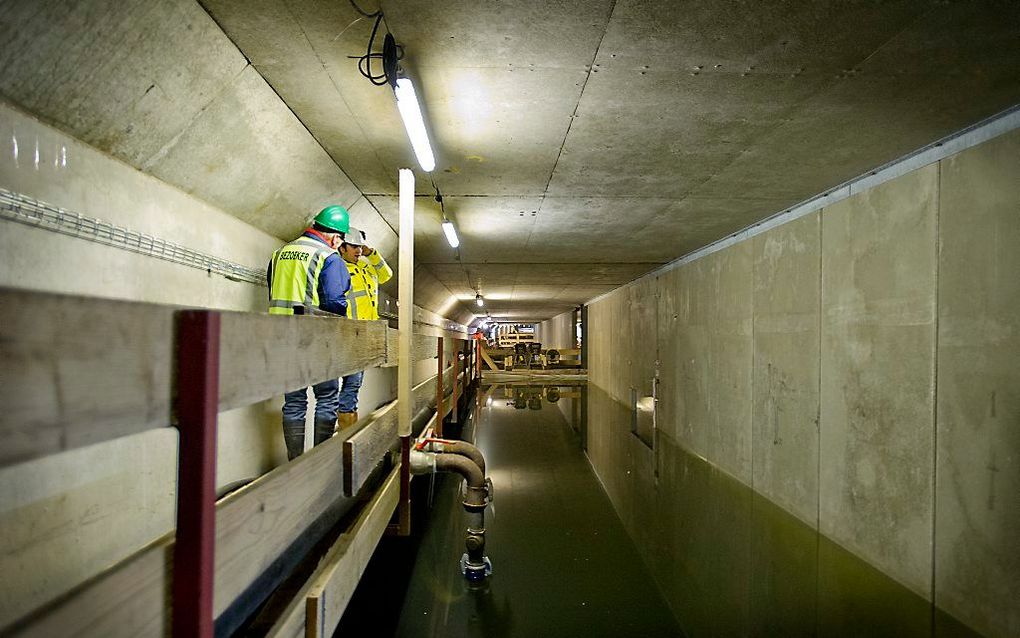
x=306, y=277
x=367, y=269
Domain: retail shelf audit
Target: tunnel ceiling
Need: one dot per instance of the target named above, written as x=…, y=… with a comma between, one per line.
x=579, y=144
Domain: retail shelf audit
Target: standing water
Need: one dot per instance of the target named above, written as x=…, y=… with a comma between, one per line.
x=563, y=565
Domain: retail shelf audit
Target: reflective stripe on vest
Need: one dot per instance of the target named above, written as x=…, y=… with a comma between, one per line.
x=295, y=276
x=361, y=287
x=352, y=303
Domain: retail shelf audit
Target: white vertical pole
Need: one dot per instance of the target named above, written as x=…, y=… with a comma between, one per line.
x=405, y=402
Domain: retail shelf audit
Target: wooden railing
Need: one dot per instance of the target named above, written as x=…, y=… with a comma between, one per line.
x=79, y=371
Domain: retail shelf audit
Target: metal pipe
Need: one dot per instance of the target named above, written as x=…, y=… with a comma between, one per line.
x=475, y=565
x=463, y=448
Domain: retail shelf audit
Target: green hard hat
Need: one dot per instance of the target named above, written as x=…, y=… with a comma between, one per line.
x=334, y=218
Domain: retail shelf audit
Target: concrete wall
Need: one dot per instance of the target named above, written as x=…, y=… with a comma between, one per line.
x=836, y=443
x=66, y=517
x=160, y=86
x=557, y=332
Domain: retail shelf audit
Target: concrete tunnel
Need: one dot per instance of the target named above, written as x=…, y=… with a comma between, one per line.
x=775, y=246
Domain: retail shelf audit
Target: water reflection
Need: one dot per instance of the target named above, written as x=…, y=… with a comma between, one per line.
x=563, y=563
x=732, y=563
x=529, y=397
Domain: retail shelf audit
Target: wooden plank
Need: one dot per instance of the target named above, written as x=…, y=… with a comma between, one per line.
x=537, y=372
x=405, y=411
x=254, y=526
x=488, y=360
x=363, y=533
x=78, y=370
x=131, y=599
x=264, y=355
x=365, y=447
x=456, y=385
x=55, y=400
x=423, y=347
x=535, y=377
x=433, y=331
x=392, y=348
x=339, y=575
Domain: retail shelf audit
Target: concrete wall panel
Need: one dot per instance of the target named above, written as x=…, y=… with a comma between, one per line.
x=249, y=155
x=785, y=412
x=63, y=518
x=834, y=535
x=558, y=332
x=129, y=83
x=673, y=338
x=642, y=310
x=161, y=87
x=718, y=422
x=877, y=381
x=977, y=545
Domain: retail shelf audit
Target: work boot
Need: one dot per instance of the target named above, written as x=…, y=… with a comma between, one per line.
x=294, y=438
x=346, y=420
x=324, y=428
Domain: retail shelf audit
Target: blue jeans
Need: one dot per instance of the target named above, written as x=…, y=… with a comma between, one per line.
x=349, y=392
x=326, y=400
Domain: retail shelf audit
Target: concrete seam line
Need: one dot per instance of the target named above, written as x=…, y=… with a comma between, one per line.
x=968, y=137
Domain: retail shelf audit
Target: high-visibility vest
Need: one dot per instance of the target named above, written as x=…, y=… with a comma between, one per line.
x=366, y=275
x=295, y=275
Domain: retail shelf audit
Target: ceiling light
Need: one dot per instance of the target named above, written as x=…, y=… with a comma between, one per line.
x=451, y=234
x=479, y=300
x=410, y=112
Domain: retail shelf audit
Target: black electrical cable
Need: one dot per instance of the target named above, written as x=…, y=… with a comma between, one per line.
x=365, y=61
x=439, y=195
x=365, y=13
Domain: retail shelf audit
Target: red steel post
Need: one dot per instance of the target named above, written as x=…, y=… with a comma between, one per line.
x=198, y=369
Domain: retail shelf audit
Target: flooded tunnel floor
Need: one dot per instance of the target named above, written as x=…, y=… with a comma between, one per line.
x=563, y=563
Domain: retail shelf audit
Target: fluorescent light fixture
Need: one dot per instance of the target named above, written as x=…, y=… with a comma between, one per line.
x=479, y=300
x=451, y=233
x=410, y=112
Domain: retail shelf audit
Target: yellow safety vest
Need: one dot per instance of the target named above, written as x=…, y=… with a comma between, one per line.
x=366, y=275
x=295, y=275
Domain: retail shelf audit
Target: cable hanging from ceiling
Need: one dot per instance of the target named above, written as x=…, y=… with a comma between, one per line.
x=448, y=228
x=391, y=53
x=407, y=105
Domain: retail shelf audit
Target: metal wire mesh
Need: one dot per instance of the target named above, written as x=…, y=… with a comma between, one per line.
x=19, y=208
